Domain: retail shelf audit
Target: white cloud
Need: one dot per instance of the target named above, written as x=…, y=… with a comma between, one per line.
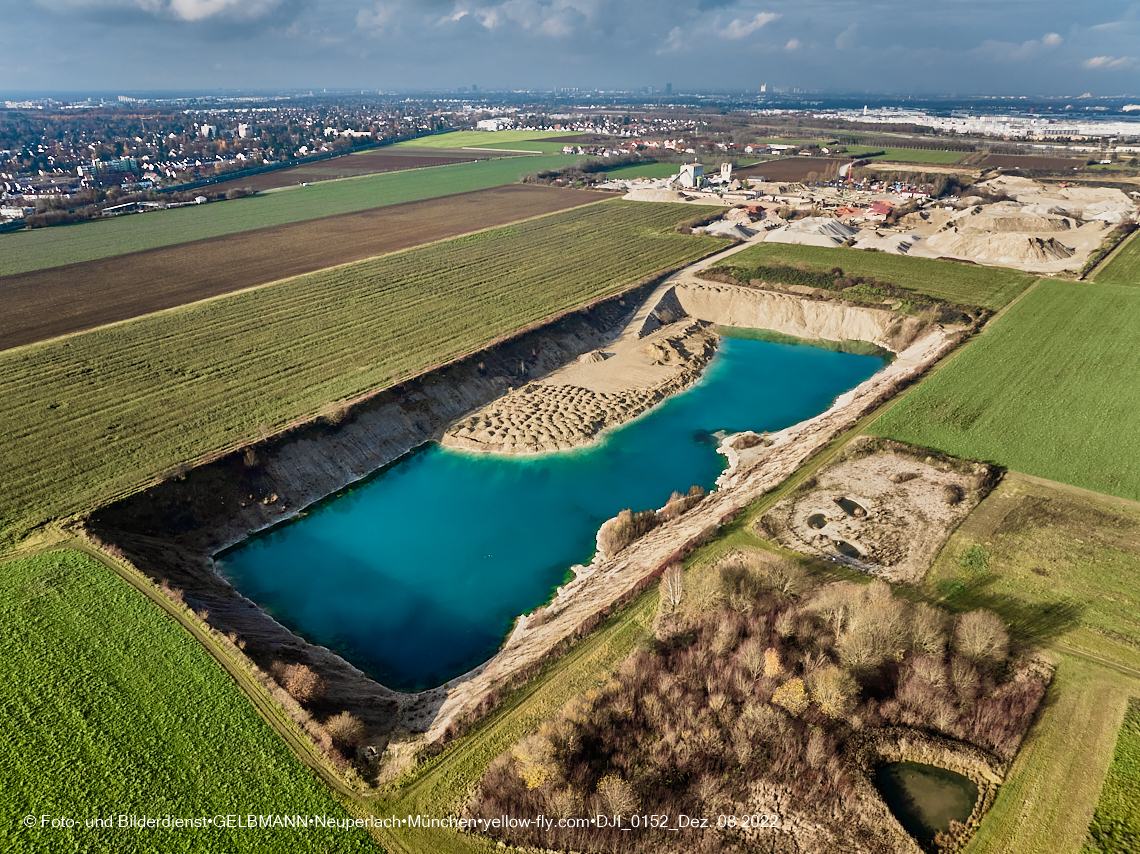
x=793, y=44
x=375, y=19
x=1110, y=62
x=558, y=19
x=1051, y=39
x=181, y=10
x=846, y=38
x=738, y=28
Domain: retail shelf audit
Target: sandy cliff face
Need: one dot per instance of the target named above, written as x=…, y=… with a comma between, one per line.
x=729, y=305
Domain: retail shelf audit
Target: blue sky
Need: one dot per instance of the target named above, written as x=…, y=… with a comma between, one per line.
x=1033, y=47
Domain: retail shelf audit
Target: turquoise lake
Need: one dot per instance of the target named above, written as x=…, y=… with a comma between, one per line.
x=416, y=574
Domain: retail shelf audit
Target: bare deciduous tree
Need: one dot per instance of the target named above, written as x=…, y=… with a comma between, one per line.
x=673, y=585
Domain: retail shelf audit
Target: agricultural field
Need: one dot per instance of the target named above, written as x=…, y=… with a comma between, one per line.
x=24, y=251
x=791, y=168
x=111, y=709
x=1115, y=827
x=1029, y=161
x=1048, y=798
x=103, y=412
x=1062, y=567
x=550, y=141
x=1059, y=564
x=908, y=155
x=968, y=284
x=1049, y=390
x=1124, y=267
x=371, y=162
x=61, y=300
x=642, y=170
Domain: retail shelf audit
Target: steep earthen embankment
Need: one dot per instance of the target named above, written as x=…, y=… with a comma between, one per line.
x=735, y=305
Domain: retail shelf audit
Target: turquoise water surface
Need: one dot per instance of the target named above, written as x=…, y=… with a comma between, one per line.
x=416, y=575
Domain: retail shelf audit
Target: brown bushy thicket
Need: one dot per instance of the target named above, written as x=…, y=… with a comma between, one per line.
x=624, y=528
x=299, y=680
x=757, y=688
x=629, y=525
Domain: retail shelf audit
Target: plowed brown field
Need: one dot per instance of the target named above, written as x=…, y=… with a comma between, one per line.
x=47, y=303
x=791, y=169
x=355, y=165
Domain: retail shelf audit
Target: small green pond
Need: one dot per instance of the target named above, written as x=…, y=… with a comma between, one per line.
x=925, y=798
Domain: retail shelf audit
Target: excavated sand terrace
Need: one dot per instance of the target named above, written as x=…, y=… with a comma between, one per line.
x=603, y=389
x=895, y=512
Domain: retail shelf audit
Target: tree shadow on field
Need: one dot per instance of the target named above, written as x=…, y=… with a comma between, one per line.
x=1029, y=622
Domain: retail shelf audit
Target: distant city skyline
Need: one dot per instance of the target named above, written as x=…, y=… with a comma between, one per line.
x=1031, y=47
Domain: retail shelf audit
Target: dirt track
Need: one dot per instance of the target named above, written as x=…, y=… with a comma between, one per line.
x=355, y=165
x=47, y=303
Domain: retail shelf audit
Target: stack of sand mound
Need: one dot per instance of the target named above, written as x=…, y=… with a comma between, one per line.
x=1005, y=218
x=644, y=195
x=740, y=215
x=895, y=244
x=1014, y=250
x=732, y=230
x=591, y=357
x=813, y=231
x=1105, y=204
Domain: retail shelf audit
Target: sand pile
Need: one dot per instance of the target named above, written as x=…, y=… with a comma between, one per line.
x=732, y=230
x=1006, y=218
x=591, y=357
x=739, y=215
x=813, y=231
x=543, y=416
x=646, y=195
x=1103, y=204
x=1011, y=250
x=895, y=244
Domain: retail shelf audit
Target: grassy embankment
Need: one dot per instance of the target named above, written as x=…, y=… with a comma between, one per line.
x=104, y=412
x=1050, y=390
x=1115, y=828
x=1123, y=268
x=549, y=141
x=968, y=284
x=24, y=251
x=112, y=709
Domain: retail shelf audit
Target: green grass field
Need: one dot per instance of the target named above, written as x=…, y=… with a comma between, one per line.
x=1115, y=827
x=643, y=170
x=515, y=140
x=908, y=155
x=991, y=287
x=98, y=413
x=40, y=248
x=1062, y=567
x=1047, y=800
x=1051, y=390
x=111, y=708
x=1124, y=267
x=1057, y=563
